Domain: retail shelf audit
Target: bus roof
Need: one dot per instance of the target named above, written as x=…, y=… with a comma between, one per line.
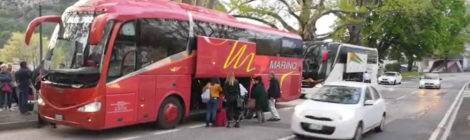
x=161, y=8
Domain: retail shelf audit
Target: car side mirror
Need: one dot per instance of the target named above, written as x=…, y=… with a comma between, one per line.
x=440, y=78
x=419, y=78
x=368, y=103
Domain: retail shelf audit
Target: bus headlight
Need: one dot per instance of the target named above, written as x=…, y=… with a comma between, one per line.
x=90, y=108
x=318, y=85
x=40, y=101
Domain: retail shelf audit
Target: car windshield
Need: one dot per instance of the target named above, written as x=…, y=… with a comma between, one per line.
x=430, y=76
x=389, y=74
x=337, y=94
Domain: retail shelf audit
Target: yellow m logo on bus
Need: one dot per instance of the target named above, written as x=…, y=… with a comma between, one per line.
x=238, y=56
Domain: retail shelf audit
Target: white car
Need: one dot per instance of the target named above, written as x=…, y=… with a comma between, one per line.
x=340, y=110
x=390, y=78
x=430, y=80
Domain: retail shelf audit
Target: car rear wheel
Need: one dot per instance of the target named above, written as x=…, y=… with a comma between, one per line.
x=381, y=127
x=394, y=82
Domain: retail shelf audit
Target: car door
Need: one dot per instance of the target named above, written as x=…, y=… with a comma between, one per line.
x=379, y=106
x=369, y=115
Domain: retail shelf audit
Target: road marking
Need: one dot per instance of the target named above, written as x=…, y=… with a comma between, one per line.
x=439, y=128
x=287, y=137
x=446, y=133
x=130, y=138
x=196, y=126
x=166, y=132
x=401, y=97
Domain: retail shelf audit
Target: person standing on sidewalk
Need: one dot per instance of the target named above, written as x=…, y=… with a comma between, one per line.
x=274, y=92
x=23, y=78
x=14, y=89
x=6, y=88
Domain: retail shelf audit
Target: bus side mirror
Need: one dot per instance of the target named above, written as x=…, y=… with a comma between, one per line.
x=97, y=29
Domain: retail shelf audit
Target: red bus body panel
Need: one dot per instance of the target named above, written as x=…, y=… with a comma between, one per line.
x=137, y=97
x=217, y=57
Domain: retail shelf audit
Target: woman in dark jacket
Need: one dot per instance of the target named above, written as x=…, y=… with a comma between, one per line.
x=232, y=94
x=5, y=92
x=258, y=93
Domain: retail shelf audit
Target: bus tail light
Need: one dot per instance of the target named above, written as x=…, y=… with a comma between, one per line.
x=90, y=108
x=40, y=101
x=324, y=55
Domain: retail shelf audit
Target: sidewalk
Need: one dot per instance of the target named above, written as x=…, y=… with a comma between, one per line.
x=14, y=120
x=461, y=127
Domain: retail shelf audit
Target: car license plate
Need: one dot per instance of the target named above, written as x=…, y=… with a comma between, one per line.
x=59, y=117
x=315, y=127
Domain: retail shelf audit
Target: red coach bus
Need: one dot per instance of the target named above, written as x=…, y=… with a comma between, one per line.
x=113, y=63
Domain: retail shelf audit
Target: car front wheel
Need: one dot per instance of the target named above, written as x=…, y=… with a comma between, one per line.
x=358, y=133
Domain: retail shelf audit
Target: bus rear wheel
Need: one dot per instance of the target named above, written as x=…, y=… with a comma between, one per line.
x=170, y=113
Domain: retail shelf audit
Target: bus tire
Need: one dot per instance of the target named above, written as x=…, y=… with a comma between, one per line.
x=170, y=113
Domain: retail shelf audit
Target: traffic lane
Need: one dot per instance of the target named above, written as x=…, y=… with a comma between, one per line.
x=416, y=116
x=404, y=89
x=68, y=133
x=249, y=130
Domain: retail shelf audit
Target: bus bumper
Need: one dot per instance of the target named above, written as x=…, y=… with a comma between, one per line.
x=71, y=117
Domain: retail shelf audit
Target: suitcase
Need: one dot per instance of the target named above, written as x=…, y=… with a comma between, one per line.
x=220, y=118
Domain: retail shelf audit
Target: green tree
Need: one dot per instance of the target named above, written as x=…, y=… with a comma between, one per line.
x=454, y=19
x=15, y=50
x=296, y=16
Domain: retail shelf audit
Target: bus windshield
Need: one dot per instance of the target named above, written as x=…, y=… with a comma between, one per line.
x=68, y=46
x=312, y=62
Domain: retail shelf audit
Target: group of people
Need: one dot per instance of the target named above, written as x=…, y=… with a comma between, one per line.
x=15, y=87
x=262, y=100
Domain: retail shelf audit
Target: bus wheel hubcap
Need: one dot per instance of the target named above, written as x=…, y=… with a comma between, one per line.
x=170, y=112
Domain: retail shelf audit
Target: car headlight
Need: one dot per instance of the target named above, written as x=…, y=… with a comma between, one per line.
x=346, y=115
x=40, y=101
x=298, y=109
x=90, y=108
x=436, y=82
x=380, y=78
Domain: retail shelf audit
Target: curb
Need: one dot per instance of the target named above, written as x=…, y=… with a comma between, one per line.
x=18, y=125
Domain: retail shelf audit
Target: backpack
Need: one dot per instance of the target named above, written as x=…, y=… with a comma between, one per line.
x=6, y=87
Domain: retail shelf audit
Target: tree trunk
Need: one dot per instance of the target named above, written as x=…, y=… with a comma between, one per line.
x=410, y=64
x=188, y=1
x=446, y=60
x=211, y=4
x=200, y=3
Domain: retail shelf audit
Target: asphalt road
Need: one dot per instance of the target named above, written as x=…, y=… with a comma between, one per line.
x=413, y=114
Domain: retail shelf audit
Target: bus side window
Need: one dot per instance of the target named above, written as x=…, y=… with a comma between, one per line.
x=122, y=60
x=161, y=38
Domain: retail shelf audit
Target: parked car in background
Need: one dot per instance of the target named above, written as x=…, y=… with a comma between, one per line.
x=430, y=80
x=390, y=78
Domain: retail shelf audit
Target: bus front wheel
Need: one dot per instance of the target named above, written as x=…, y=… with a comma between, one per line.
x=169, y=114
